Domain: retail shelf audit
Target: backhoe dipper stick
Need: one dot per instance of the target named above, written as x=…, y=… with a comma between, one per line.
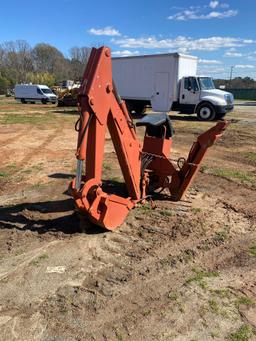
x=97, y=98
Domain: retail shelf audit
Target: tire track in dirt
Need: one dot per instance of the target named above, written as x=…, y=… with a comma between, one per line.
x=29, y=156
x=14, y=138
x=8, y=141
x=129, y=277
x=142, y=267
x=43, y=145
x=40, y=148
x=122, y=285
x=30, y=256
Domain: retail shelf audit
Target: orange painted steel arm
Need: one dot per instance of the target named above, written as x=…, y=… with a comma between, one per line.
x=188, y=171
x=100, y=109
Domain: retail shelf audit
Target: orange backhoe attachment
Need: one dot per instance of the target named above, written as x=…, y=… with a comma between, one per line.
x=145, y=168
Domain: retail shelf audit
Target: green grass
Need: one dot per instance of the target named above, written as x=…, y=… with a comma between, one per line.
x=43, y=256
x=196, y=210
x=4, y=111
x=19, y=252
x=146, y=312
x=221, y=236
x=35, y=118
x=199, y=277
x=203, y=169
x=242, y=334
x=243, y=300
x=213, y=305
x=173, y=296
x=12, y=167
x=36, y=168
x=222, y=293
x=252, y=251
x=251, y=156
x=144, y=208
x=38, y=185
x=36, y=261
x=8, y=170
x=106, y=166
x=243, y=176
x=239, y=176
x=214, y=334
x=3, y=174
x=27, y=171
x=166, y=213
x=5, y=101
x=119, y=336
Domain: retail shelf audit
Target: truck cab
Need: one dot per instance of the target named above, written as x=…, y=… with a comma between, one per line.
x=198, y=94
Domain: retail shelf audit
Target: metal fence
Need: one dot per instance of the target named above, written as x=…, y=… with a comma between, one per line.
x=243, y=93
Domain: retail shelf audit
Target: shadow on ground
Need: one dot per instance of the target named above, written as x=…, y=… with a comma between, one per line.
x=54, y=216
x=48, y=216
x=181, y=117
x=245, y=104
x=66, y=111
x=61, y=176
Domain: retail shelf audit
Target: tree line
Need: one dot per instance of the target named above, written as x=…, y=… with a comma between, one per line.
x=42, y=64
x=45, y=64
x=236, y=83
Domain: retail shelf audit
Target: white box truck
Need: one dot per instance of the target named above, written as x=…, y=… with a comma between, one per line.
x=34, y=93
x=169, y=82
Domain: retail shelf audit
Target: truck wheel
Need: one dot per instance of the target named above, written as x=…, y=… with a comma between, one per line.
x=135, y=107
x=130, y=106
x=60, y=103
x=23, y=101
x=206, y=112
x=220, y=116
x=44, y=101
x=139, y=108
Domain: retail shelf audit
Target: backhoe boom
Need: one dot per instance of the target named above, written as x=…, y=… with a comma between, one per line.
x=143, y=167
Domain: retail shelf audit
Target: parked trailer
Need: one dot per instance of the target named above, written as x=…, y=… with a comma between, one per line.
x=169, y=82
x=34, y=93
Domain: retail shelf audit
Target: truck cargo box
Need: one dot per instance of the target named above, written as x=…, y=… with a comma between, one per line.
x=153, y=78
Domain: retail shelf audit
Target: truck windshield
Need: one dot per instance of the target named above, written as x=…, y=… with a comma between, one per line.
x=206, y=83
x=47, y=91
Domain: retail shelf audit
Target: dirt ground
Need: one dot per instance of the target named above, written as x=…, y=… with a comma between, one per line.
x=184, y=271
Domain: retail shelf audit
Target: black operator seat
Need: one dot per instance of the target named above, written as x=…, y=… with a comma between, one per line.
x=154, y=124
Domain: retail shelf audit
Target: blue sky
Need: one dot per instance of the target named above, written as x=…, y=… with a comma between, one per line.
x=221, y=33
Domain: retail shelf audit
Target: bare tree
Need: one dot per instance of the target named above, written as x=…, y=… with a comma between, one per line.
x=80, y=53
x=20, y=63
x=24, y=57
x=79, y=58
x=16, y=58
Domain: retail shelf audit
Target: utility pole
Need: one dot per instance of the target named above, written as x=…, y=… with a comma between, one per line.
x=231, y=74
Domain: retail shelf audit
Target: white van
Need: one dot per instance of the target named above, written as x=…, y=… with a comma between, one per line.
x=34, y=93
